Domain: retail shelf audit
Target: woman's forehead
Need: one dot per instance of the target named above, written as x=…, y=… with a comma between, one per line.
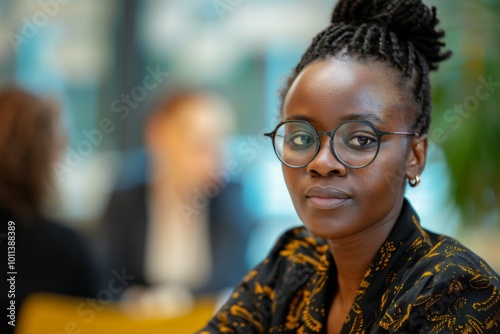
x=339, y=87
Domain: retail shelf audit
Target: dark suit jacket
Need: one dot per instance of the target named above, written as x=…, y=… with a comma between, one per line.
x=125, y=226
x=48, y=258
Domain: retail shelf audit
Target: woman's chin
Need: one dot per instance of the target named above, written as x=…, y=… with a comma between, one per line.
x=328, y=230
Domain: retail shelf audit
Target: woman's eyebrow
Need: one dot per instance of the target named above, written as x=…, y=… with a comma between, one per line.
x=363, y=117
x=299, y=117
x=350, y=117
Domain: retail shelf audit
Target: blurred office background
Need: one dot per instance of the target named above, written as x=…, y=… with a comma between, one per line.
x=90, y=55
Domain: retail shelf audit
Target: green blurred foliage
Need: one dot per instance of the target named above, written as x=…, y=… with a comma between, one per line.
x=470, y=138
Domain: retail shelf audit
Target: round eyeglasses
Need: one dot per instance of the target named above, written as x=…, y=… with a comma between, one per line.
x=354, y=143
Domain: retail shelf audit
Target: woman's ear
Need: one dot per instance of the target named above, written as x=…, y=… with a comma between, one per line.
x=417, y=157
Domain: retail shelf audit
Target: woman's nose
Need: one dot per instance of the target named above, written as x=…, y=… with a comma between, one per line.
x=325, y=163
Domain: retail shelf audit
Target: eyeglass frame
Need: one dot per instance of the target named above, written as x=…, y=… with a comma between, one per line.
x=331, y=134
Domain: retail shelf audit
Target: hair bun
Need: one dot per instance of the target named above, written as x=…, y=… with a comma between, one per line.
x=410, y=20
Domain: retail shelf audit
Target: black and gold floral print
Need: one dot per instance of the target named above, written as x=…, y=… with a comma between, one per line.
x=418, y=282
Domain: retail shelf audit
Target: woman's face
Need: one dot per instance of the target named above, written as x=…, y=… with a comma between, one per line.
x=334, y=201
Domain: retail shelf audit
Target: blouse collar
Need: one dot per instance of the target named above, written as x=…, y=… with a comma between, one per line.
x=405, y=242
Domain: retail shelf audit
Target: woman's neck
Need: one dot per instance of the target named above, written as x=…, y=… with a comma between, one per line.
x=353, y=256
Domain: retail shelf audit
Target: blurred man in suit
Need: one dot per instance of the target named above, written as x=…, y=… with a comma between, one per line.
x=186, y=229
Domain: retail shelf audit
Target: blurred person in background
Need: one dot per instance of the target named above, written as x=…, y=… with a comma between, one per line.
x=186, y=230
x=48, y=257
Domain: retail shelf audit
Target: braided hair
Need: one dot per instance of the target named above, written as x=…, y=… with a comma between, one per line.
x=401, y=33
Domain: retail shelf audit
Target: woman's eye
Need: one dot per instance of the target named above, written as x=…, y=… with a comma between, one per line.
x=301, y=140
x=361, y=141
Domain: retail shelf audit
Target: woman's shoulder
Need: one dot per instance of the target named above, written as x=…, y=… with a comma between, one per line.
x=52, y=230
x=295, y=253
x=447, y=264
x=299, y=245
x=302, y=235
x=448, y=257
x=263, y=298
x=449, y=288
x=44, y=239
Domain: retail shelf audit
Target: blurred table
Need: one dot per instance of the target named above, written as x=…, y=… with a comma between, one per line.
x=45, y=313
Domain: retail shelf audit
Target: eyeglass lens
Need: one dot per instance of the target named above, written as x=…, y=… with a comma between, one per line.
x=354, y=143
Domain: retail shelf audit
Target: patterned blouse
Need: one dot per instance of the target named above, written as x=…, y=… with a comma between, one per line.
x=418, y=282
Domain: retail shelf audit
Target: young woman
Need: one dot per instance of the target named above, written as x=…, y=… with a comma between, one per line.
x=355, y=116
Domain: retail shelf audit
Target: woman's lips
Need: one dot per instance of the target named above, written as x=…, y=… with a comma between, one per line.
x=326, y=203
x=326, y=198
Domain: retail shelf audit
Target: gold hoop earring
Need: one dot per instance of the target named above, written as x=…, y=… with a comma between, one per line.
x=414, y=182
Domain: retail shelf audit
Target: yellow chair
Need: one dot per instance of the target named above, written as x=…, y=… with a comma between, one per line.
x=52, y=314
